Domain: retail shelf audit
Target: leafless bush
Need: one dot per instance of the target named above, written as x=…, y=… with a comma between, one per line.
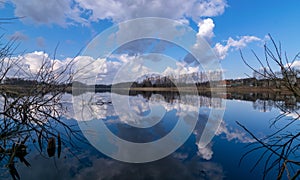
x=31, y=111
x=279, y=150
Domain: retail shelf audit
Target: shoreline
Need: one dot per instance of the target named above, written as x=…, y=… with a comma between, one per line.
x=239, y=89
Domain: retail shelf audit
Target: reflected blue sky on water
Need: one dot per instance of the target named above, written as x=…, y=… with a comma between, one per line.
x=218, y=160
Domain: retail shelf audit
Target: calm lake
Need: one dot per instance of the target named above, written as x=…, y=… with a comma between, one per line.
x=219, y=159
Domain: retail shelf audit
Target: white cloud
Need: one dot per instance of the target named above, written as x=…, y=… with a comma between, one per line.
x=202, y=48
x=48, y=12
x=119, y=10
x=205, y=54
x=295, y=64
x=65, y=12
x=205, y=152
x=233, y=134
x=85, y=11
x=242, y=42
x=106, y=69
x=222, y=50
x=33, y=60
x=206, y=27
x=28, y=65
x=136, y=30
x=116, y=68
x=88, y=69
x=86, y=66
x=180, y=69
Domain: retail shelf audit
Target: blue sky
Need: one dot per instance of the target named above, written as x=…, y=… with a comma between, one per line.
x=74, y=23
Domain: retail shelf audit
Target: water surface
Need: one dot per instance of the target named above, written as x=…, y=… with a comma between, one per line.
x=218, y=160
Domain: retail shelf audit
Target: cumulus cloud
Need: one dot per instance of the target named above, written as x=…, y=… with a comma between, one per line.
x=209, y=53
x=85, y=11
x=66, y=12
x=204, y=54
x=152, y=35
x=34, y=60
x=205, y=32
x=222, y=50
x=89, y=69
x=206, y=27
x=86, y=66
x=48, y=12
x=179, y=69
x=295, y=64
x=28, y=65
x=119, y=10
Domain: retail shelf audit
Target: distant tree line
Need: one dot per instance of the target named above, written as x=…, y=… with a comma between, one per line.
x=166, y=81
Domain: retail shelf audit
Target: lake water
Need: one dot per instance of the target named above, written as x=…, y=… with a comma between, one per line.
x=219, y=159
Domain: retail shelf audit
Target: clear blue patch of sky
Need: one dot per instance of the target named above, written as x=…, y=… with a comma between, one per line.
x=258, y=18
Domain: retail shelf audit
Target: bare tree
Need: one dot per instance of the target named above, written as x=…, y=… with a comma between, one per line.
x=281, y=149
x=32, y=111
